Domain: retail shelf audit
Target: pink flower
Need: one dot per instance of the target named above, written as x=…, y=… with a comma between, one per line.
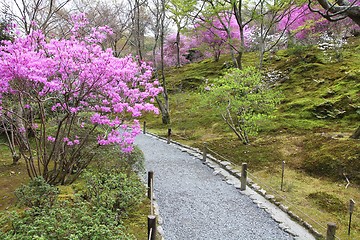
x=79, y=78
x=51, y=139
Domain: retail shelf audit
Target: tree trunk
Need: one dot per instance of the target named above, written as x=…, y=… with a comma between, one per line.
x=356, y=134
x=138, y=33
x=178, y=64
x=261, y=57
x=20, y=126
x=164, y=107
x=239, y=59
x=165, y=118
x=333, y=12
x=165, y=115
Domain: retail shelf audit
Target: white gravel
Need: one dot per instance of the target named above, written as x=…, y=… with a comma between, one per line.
x=196, y=204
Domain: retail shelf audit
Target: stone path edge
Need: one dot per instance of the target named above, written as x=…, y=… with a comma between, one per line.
x=237, y=174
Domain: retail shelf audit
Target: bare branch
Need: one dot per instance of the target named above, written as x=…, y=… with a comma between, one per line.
x=337, y=10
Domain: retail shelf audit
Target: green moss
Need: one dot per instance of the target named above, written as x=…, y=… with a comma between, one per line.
x=328, y=202
x=136, y=222
x=332, y=155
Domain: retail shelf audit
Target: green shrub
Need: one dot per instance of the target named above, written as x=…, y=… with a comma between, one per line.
x=136, y=160
x=37, y=194
x=242, y=99
x=113, y=190
x=63, y=221
x=109, y=193
x=298, y=50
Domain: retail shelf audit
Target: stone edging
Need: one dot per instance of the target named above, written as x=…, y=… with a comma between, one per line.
x=227, y=166
x=159, y=228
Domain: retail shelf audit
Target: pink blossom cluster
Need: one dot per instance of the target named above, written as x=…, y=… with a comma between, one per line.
x=76, y=76
x=210, y=38
x=214, y=35
x=303, y=23
x=170, y=54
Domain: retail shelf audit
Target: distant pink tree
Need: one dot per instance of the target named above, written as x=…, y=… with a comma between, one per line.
x=217, y=38
x=69, y=97
x=337, y=10
x=170, y=50
x=303, y=23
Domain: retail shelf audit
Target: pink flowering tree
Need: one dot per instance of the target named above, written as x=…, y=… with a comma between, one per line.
x=171, y=49
x=336, y=10
x=221, y=34
x=63, y=99
x=302, y=23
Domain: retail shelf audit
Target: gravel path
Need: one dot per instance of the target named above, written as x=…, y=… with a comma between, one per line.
x=195, y=203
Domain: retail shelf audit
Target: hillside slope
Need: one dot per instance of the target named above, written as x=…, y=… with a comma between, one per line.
x=320, y=109
x=310, y=131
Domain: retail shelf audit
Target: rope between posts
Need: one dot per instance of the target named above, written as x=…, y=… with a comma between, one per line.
x=282, y=197
x=277, y=193
x=224, y=158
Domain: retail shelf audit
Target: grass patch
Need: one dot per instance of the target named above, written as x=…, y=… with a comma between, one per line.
x=317, y=201
x=136, y=221
x=11, y=177
x=328, y=202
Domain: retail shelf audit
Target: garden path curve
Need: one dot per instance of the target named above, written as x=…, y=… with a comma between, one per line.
x=196, y=203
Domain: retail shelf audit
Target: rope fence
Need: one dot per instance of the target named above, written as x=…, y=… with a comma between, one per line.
x=290, y=204
x=219, y=155
x=328, y=228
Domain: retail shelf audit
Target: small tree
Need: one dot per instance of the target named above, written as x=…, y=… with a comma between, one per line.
x=242, y=99
x=179, y=13
x=65, y=98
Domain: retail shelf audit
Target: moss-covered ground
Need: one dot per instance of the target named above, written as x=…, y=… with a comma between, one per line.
x=310, y=130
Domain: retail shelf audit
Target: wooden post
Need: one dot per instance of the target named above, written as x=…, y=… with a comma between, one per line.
x=169, y=136
x=330, y=233
x=150, y=184
x=351, y=210
x=144, y=129
x=151, y=227
x=204, y=151
x=152, y=197
x=243, y=177
x=282, y=175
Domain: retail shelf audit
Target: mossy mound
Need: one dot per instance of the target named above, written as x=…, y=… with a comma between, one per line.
x=328, y=202
x=334, y=156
